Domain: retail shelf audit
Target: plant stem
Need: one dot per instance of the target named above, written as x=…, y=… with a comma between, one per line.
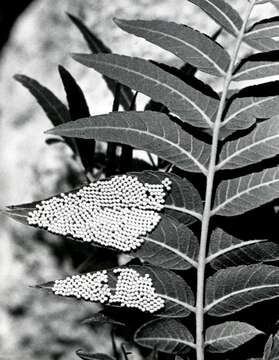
x=209, y=189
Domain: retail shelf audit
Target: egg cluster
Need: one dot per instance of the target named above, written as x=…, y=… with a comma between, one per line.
x=114, y=213
x=136, y=291
x=131, y=290
x=91, y=286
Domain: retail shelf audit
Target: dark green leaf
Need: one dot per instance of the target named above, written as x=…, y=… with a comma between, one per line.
x=90, y=356
x=189, y=104
x=221, y=12
x=225, y=250
x=101, y=318
x=261, y=143
x=20, y=212
x=254, y=102
x=237, y=288
x=178, y=296
x=258, y=66
x=171, y=245
x=168, y=336
x=260, y=35
x=149, y=131
x=229, y=336
x=190, y=45
x=55, y=110
x=78, y=108
x=97, y=46
x=183, y=202
x=236, y=196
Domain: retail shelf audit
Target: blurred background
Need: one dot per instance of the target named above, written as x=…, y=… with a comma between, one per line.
x=36, y=36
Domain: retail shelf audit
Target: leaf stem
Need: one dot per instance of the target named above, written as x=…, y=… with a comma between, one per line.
x=209, y=189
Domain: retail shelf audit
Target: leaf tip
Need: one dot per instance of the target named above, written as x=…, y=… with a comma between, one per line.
x=51, y=131
x=18, y=77
x=47, y=285
x=118, y=21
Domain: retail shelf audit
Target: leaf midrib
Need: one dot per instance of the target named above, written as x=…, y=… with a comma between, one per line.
x=248, y=35
x=185, y=211
x=176, y=301
x=241, y=110
x=227, y=337
x=231, y=248
x=221, y=71
x=188, y=343
x=173, y=90
x=124, y=129
x=220, y=206
x=249, y=147
x=177, y=252
x=246, y=71
x=226, y=16
x=215, y=302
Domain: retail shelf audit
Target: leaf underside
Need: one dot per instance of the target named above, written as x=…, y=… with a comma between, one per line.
x=236, y=288
x=260, y=35
x=182, y=200
x=191, y=105
x=262, y=143
x=188, y=44
x=252, y=103
x=178, y=296
x=239, y=195
x=228, y=336
x=226, y=250
x=171, y=245
x=168, y=336
x=150, y=131
x=258, y=66
x=222, y=13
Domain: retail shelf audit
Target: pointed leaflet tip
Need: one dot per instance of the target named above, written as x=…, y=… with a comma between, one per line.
x=48, y=285
x=51, y=131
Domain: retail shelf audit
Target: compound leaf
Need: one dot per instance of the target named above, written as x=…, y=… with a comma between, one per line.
x=222, y=13
x=258, y=66
x=236, y=288
x=261, y=143
x=171, y=245
x=188, y=44
x=229, y=336
x=168, y=336
x=150, y=131
x=236, y=196
x=191, y=105
x=97, y=46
